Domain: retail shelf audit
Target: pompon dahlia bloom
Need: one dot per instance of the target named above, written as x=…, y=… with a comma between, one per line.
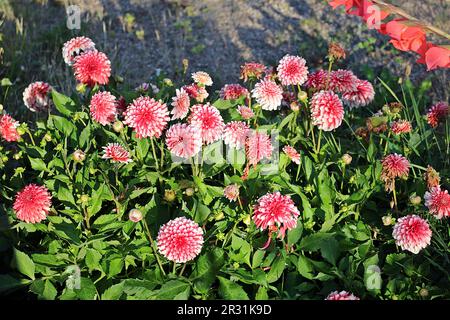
x=147, y=117
x=412, y=233
x=202, y=78
x=183, y=140
x=208, y=121
x=231, y=192
x=437, y=113
x=292, y=153
x=235, y=134
x=8, y=128
x=257, y=147
x=233, y=91
x=116, y=153
x=246, y=112
x=36, y=96
x=75, y=47
x=438, y=202
x=252, y=70
x=180, y=104
x=394, y=166
x=180, y=240
x=32, y=204
x=327, y=111
x=401, y=126
x=268, y=94
x=343, y=295
x=275, y=209
x=103, y=107
x=343, y=81
x=362, y=96
x=317, y=80
x=92, y=68
x=292, y=70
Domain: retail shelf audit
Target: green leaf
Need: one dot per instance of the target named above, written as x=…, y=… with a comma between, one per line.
x=305, y=267
x=241, y=250
x=7, y=282
x=201, y=213
x=295, y=234
x=206, y=269
x=24, y=264
x=65, y=195
x=276, y=269
x=49, y=260
x=63, y=125
x=87, y=290
x=115, y=266
x=85, y=136
x=258, y=258
x=230, y=290
x=44, y=289
x=92, y=259
x=114, y=292
x=63, y=104
x=38, y=164
x=173, y=289
x=261, y=294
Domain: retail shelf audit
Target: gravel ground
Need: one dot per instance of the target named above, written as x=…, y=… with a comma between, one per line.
x=219, y=35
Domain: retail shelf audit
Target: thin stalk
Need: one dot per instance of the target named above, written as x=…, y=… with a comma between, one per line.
x=154, y=154
x=318, y=141
x=153, y=246
x=182, y=269
x=395, y=196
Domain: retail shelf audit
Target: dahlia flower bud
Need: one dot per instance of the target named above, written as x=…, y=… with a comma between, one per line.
x=169, y=195
x=1, y=108
x=168, y=82
x=81, y=88
x=294, y=106
x=423, y=293
x=118, y=126
x=48, y=137
x=387, y=220
x=4, y=159
x=185, y=63
x=21, y=130
x=119, y=79
x=415, y=200
x=78, y=156
x=302, y=96
x=16, y=156
x=84, y=199
x=219, y=216
x=59, y=147
x=189, y=192
x=247, y=220
x=347, y=159
x=135, y=215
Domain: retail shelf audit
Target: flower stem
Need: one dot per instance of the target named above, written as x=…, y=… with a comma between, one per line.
x=182, y=269
x=153, y=246
x=154, y=154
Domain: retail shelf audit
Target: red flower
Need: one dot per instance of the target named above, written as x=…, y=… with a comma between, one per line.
x=268, y=94
x=231, y=192
x=327, y=111
x=180, y=240
x=32, y=204
x=292, y=70
x=103, y=107
x=435, y=57
x=208, y=121
x=343, y=81
x=92, y=68
x=233, y=91
x=412, y=233
x=147, y=116
x=275, y=209
x=258, y=146
x=252, y=70
x=438, y=202
x=362, y=96
x=37, y=96
x=404, y=38
x=180, y=104
x=8, y=128
x=75, y=47
x=317, y=80
x=401, y=126
x=292, y=154
x=235, y=134
x=116, y=153
x=246, y=112
x=394, y=166
x=343, y=295
x=437, y=113
x=183, y=140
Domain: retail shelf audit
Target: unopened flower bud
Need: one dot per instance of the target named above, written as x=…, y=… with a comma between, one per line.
x=423, y=293
x=1, y=107
x=48, y=137
x=118, y=126
x=59, y=147
x=78, y=156
x=219, y=216
x=415, y=200
x=247, y=220
x=189, y=192
x=18, y=155
x=294, y=106
x=135, y=215
x=168, y=82
x=84, y=199
x=169, y=195
x=4, y=159
x=81, y=88
x=21, y=130
x=347, y=159
x=118, y=79
x=302, y=96
x=387, y=220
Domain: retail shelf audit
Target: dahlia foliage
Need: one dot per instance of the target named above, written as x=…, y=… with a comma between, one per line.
x=269, y=187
